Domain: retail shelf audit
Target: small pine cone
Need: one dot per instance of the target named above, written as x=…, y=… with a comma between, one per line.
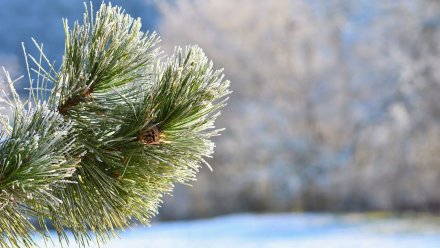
x=117, y=175
x=150, y=136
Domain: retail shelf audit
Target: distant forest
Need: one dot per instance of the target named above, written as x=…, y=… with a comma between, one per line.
x=335, y=105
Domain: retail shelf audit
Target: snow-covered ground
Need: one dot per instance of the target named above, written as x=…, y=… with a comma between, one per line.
x=285, y=230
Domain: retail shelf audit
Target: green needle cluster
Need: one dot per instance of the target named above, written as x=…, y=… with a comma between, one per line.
x=103, y=137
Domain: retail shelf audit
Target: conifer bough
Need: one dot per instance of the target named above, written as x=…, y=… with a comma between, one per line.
x=105, y=135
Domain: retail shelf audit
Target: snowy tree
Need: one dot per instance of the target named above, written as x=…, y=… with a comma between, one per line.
x=337, y=101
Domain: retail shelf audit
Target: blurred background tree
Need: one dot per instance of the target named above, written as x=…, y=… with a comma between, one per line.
x=334, y=106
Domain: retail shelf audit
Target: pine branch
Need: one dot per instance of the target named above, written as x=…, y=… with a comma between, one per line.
x=120, y=126
x=105, y=52
x=35, y=160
